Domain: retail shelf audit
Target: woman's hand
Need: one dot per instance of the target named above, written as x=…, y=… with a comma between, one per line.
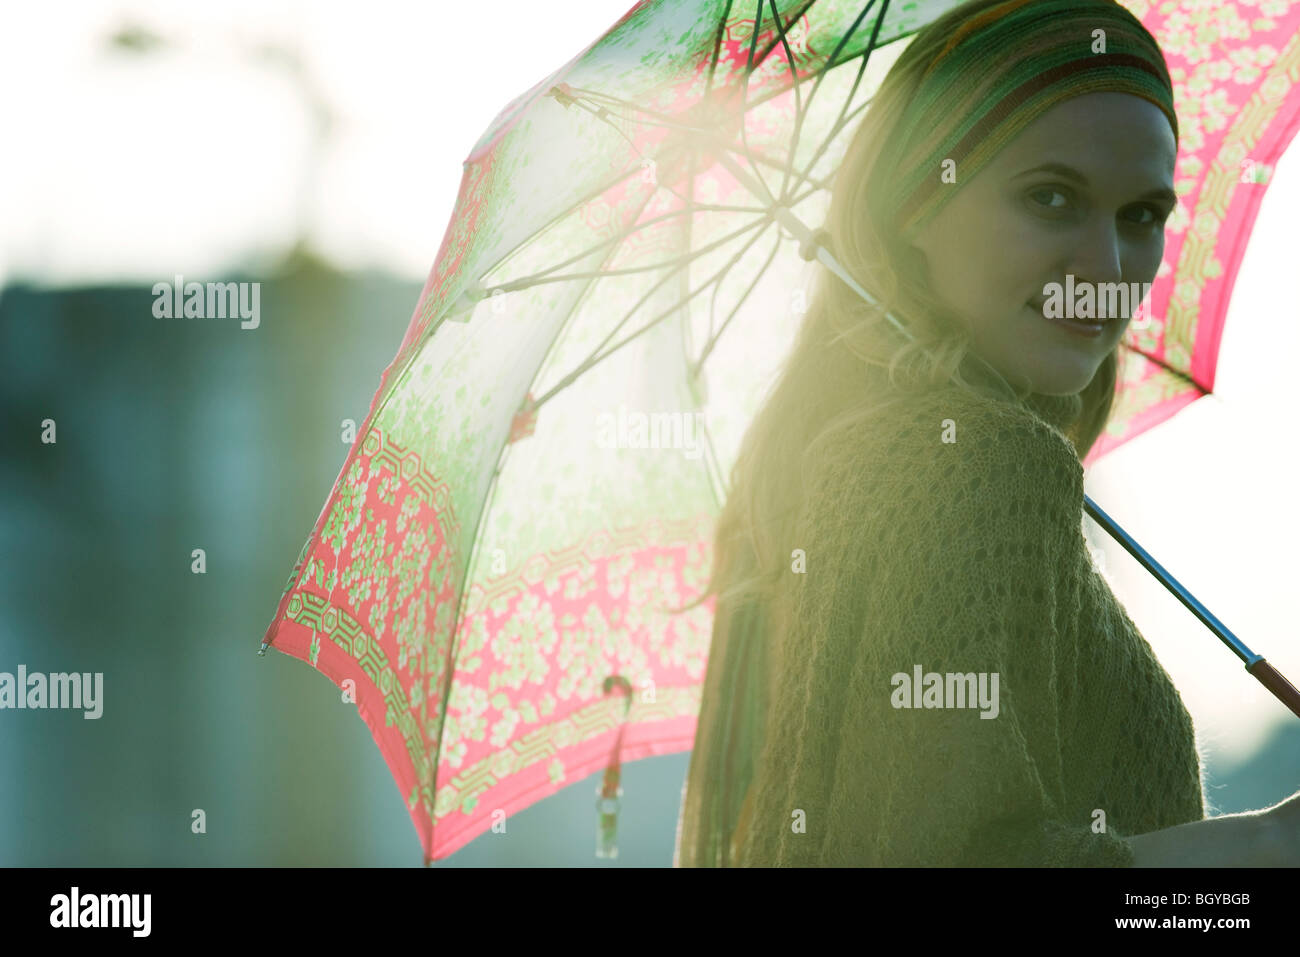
x=1268, y=838
x=1279, y=837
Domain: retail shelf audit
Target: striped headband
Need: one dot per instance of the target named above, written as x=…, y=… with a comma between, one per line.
x=999, y=72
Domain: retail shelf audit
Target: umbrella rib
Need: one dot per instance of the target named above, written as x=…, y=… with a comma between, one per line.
x=744, y=103
x=781, y=28
x=603, y=188
x=832, y=63
x=602, y=115
x=805, y=176
x=658, y=119
x=653, y=117
x=713, y=339
x=1186, y=376
x=635, y=228
x=864, y=58
x=525, y=282
x=811, y=74
x=839, y=47
x=748, y=151
x=794, y=73
x=779, y=165
x=717, y=49
x=598, y=356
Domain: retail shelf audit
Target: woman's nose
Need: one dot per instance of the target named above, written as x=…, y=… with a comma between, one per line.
x=1096, y=257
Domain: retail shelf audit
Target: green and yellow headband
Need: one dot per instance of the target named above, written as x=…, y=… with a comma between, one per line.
x=1000, y=72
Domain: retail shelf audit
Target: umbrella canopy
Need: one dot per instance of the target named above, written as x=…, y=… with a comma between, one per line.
x=538, y=476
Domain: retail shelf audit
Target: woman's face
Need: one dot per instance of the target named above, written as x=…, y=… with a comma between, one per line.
x=1097, y=214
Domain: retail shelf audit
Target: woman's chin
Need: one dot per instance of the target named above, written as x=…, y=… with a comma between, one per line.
x=1056, y=372
x=1065, y=378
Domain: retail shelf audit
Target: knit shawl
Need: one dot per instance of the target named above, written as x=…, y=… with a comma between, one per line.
x=948, y=537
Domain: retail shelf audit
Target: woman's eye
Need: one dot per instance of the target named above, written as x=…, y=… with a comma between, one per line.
x=1146, y=216
x=1048, y=197
x=1052, y=201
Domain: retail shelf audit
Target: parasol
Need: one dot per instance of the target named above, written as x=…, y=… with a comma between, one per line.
x=537, y=478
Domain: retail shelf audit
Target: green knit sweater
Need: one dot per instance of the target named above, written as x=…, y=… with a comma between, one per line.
x=949, y=540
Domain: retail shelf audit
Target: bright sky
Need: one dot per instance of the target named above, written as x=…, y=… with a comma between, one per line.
x=205, y=155
x=199, y=154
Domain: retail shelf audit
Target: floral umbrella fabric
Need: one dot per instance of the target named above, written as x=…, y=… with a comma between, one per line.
x=537, y=479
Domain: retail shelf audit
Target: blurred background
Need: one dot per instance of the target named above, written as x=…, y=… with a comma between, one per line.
x=316, y=148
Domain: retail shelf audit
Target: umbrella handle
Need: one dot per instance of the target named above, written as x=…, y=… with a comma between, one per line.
x=1276, y=682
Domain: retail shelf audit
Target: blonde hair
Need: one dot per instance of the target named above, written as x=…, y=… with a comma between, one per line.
x=823, y=394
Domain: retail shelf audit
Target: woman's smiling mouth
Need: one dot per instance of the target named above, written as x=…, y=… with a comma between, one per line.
x=1088, y=329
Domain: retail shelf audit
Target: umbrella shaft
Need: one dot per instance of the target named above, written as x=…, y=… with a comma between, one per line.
x=1261, y=670
x=1168, y=580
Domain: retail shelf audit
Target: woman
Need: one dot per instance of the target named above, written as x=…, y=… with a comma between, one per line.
x=914, y=661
